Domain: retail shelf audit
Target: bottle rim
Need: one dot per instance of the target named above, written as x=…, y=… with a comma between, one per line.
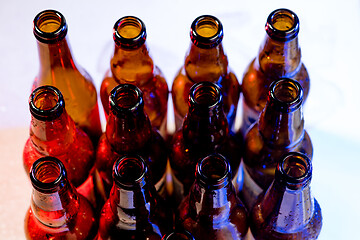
x=131, y=98
x=185, y=235
x=51, y=113
x=44, y=168
x=129, y=42
x=55, y=35
x=205, y=95
x=278, y=34
x=206, y=42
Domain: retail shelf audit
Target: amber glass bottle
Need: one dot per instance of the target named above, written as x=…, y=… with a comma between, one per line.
x=205, y=61
x=53, y=133
x=129, y=130
x=279, y=57
x=212, y=210
x=132, y=64
x=280, y=129
x=205, y=131
x=134, y=210
x=57, y=211
x=179, y=235
x=287, y=210
x=58, y=68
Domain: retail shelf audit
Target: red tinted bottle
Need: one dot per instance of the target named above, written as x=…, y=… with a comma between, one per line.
x=205, y=131
x=58, y=68
x=280, y=129
x=205, y=61
x=288, y=210
x=279, y=57
x=57, y=211
x=131, y=63
x=129, y=130
x=134, y=210
x=212, y=210
x=54, y=133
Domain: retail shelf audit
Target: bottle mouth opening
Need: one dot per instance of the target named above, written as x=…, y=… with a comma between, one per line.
x=184, y=235
x=129, y=171
x=125, y=98
x=282, y=25
x=206, y=31
x=48, y=174
x=49, y=26
x=129, y=32
x=288, y=94
x=213, y=171
x=46, y=103
x=205, y=94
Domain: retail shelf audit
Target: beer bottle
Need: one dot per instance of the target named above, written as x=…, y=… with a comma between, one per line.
x=205, y=131
x=178, y=235
x=280, y=129
x=212, y=210
x=205, y=61
x=128, y=130
x=58, y=68
x=279, y=57
x=54, y=133
x=57, y=211
x=288, y=210
x=132, y=64
x=134, y=210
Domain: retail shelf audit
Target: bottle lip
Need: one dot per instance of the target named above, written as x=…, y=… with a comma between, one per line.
x=286, y=94
x=178, y=235
x=282, y=35
x=55, y=35
x=213, y=171
x=132, y=42
x=44, y=168
x=129, y=172
x=213, y=97
x=294, y=170
x=206, y=42
x=132, y=99
x=56, y=108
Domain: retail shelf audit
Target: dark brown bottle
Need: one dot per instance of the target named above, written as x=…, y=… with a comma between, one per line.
x=58, y=68
x=280, y=129
x=205, y=61
x=279, y=57
x=288, y=210
x=212, y=210
x=54, y=133
x=178, y=235
x=128, y=130
x=57, y=211
x=132, y=64
x=134, y=210
x=205, y=131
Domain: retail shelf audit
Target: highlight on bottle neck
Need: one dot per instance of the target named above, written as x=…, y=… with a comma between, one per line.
x=129, y=32
x=213, y=172
x=126, y=98
x=294, y=171
x=49, y=26
x=179, y=235
x=286, y=95
x=129, y=172
x=48, y=175
x=282, y=25
x=205, y=95
x=206, y=31
x=46, y=103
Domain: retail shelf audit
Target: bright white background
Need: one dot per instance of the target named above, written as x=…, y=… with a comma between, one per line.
x=329, y=37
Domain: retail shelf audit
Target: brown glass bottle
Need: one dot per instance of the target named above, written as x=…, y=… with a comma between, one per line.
x=279, y=57
x=134, y=210
x=132, y=64
x=287, y=210
x=205, y=61
x=212, y=210
x=178, y=235
x=53, y=133
x=57, y=211
x=58, y=68
x=280, y=129
x=129, y=130
x=205, y=131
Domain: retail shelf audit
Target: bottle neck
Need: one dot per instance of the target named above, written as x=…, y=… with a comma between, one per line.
x=206, y=64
